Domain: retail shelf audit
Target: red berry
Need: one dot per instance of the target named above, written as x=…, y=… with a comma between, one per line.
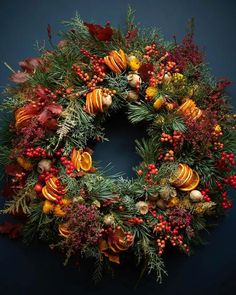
x=38, y=188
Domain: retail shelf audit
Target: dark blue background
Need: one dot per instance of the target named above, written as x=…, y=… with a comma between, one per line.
x=37, y=270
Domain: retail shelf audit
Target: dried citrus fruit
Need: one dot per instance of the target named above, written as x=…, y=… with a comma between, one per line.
x=193, y=184
x=86, y=161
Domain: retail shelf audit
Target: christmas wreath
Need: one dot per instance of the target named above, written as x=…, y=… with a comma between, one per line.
x=56, y=111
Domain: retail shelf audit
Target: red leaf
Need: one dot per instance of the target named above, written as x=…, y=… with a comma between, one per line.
x=56, y=109
x=19, y=77
x=44, y=116
x=13, y=230
x=30, y=64
x=51, y=124
x=13, y=169
x=101, y=33
x=7, y=191
x=62, y=43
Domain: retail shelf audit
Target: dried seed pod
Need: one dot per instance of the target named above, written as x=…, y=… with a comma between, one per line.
x=131, y=96
x=196, y=196
x=44, y=165
x=134, y=80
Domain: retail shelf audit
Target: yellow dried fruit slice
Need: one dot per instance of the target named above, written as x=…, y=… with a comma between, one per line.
x=99, y=100
x=194, y=182
x=77, y=160
x=86, y=161
x=116, y=68
x=48, y=195
x=63, y=230
x=123, y=57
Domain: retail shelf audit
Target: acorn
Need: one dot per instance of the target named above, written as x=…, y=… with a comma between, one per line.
x=196, y=196
x=131, y=96
x=134, y=80
x=44, y=166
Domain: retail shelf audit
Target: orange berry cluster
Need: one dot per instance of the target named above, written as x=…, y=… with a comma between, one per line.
x=168, y=232
x=218, y=145
x=170, y=66
x=107, y=91
x=97, y=67
x=150, y=50
x=169, y=156
x=83, y=76
x=174, y=139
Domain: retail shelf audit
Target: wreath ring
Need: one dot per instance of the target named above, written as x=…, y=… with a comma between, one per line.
x=59, y=104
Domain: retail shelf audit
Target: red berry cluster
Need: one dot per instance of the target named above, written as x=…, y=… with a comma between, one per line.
x=205, y=193
x=152, y=170
x=42, y=95
x=135, y=220
x=231, y=180
x=45, y=176
x=69, y=166
x=226, y=204
x=169, y=232
x=37, y=152
x=48, y=92
x=226, y=160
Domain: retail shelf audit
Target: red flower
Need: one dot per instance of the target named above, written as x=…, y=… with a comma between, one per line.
x=144, y=71
x=101, y=33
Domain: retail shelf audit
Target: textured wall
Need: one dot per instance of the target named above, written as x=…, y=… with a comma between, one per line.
x=36, y=270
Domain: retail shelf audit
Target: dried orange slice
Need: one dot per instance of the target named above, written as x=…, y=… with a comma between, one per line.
x=118, y=60
x=115, y=66
x=107, y=61
x=98, y=100
x=27, y=165
x=47, y=195
x=75, y=158
x=181, y=174
x=185, y=181
x=193, y=184
x=123, y=57
x=86, y=161
x=63, y=230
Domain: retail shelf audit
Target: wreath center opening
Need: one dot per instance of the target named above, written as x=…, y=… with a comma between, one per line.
x=119, y=151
